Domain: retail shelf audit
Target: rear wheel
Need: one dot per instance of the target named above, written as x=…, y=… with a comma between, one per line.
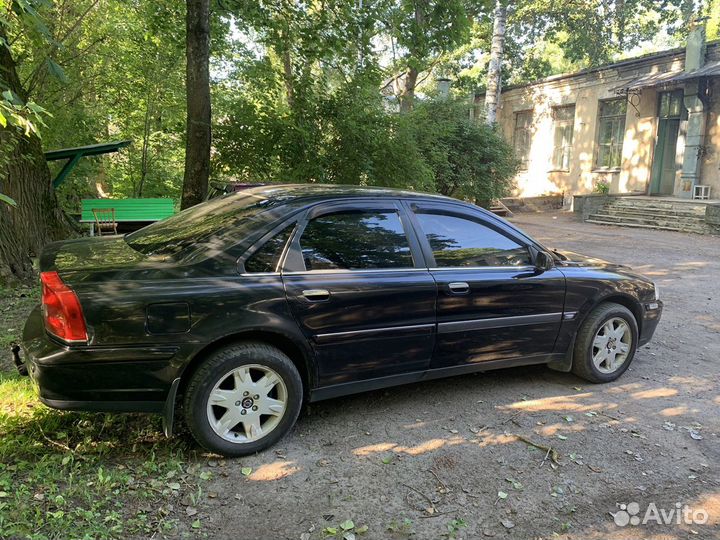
x=605, y=344
x=243, y=399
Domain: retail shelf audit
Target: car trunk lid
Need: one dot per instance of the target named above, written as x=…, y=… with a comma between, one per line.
x=89, y=254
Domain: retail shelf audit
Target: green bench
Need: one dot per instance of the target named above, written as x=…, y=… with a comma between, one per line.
x=129, y=214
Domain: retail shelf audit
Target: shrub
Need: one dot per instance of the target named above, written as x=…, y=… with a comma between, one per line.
x=602, y=186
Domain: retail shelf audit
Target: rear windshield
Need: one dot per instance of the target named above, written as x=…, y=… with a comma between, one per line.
x=232, y=217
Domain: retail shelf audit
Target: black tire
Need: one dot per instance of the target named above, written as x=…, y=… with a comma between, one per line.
x=216, y=370
x=583, y=365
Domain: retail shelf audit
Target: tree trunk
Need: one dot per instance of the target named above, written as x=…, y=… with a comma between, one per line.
x=197, y=145
x=25, y=176
x=288, y=71
x=492, y=94
x=145, y=147
x=407, y=97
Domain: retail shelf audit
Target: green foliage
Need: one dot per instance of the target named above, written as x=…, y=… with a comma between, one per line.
x=297, y=89
x=713, y=23
x=342, y=137
x=70, y=475
x=468, y=159
x=350, y=138
x=602, y=187
x=454, y=527
x=595, y=31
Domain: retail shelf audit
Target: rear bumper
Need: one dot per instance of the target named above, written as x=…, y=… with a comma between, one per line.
x=108, y=379
x=652, y=312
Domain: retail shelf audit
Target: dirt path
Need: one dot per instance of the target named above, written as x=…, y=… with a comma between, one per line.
x=446, y=456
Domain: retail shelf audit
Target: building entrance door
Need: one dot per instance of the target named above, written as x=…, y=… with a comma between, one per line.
x=667, y=159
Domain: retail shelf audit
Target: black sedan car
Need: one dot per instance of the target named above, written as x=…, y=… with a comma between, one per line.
x=244, y=307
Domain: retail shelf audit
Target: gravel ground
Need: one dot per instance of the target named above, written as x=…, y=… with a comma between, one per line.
x=451, y=459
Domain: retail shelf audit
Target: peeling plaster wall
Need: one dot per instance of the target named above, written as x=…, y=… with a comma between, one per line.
x=584, y=90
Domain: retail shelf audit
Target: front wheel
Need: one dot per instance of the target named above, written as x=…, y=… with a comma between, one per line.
x=243, y=399
x=605, y=344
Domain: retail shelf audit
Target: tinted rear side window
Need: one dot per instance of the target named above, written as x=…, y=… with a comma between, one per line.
x=205, y=225
x=457, y=241
x=266, y=258
x=355, y=241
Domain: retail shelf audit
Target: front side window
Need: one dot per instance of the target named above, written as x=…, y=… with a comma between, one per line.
x=522, y=137
x=267, y=257
x=457, y=242
x=563, y=127
x=355, y=240
x=611, y=132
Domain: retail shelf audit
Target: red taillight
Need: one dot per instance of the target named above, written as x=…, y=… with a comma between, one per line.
x=61, y=309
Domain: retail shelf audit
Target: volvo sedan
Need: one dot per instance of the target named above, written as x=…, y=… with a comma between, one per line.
x=244, y=307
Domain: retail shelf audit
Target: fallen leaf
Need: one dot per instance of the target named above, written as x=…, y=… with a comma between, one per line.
x=507, y=523
x=502, y=495
x=246, y=471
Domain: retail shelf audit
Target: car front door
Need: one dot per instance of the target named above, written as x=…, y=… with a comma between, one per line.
x=493, y=304
x=357, y=285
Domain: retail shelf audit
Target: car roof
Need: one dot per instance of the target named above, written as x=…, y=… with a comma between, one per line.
x=296, y=192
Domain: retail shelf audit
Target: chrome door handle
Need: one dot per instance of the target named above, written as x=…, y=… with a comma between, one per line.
x=459, y=287
x=316, y=295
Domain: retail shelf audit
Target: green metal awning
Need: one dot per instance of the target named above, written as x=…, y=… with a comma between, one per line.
x=73, y=156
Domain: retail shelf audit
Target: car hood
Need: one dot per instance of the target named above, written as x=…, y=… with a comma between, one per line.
x=570, y=258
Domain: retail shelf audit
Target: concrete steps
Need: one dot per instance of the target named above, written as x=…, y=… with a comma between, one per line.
x=634, y=225
x=650, y=213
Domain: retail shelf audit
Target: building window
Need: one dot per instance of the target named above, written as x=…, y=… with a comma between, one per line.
x=611, y=131
x=563, y=127
x=671, y=104
x=522, y=137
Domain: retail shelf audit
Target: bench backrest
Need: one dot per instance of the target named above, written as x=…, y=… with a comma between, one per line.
x=129, y=209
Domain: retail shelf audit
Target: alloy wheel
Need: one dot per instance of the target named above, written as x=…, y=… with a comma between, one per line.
x=612, y=344
x=247, y=403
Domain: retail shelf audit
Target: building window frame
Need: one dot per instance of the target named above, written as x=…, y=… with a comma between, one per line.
x=522, y=137
x=610, y=134
x=564, y=129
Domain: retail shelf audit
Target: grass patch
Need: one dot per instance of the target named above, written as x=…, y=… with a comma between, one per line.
x=75, y=475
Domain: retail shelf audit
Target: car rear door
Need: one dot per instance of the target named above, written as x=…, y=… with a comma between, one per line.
x=493, y=304
x=358, y=286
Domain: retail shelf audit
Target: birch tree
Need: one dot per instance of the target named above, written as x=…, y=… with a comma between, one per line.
x=497, y=48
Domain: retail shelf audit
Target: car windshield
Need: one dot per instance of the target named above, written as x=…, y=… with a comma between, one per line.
x=193, y=227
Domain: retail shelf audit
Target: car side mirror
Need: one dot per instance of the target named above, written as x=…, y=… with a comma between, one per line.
x=544, y=261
